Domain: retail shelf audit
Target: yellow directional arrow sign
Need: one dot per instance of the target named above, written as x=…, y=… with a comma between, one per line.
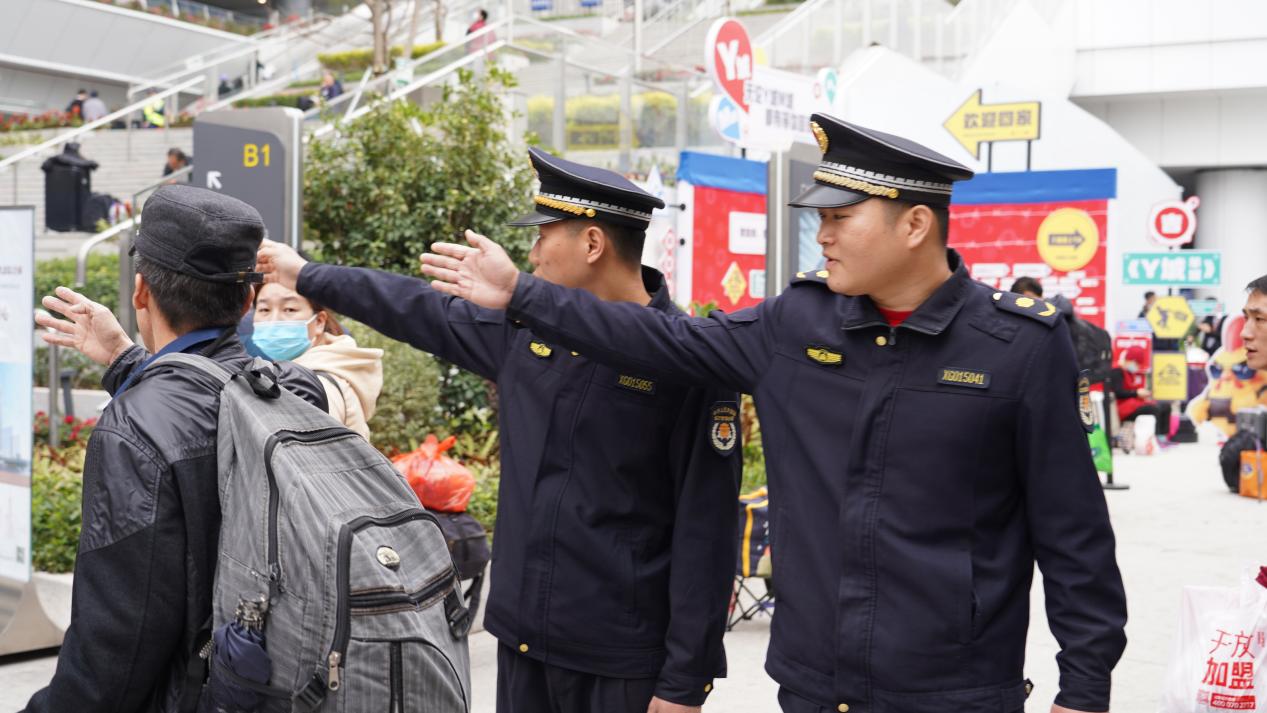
x=974, y=123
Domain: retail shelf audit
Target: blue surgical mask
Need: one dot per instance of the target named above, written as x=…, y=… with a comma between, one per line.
x=282, y=340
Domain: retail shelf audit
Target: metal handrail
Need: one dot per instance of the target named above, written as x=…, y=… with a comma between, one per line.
x=781, y=27
x=81, y=259
x=411, y=87
x=91, y=126
x=386, y=77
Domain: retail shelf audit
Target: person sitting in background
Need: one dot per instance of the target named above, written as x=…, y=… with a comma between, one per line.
x=176, y=160
x=330, y=86
x=1129, y=384
x=290, y=327
x=94, y=108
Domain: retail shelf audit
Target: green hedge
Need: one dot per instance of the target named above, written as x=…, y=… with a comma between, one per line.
x=356, y=61
x=57, y=486
x=101, y=281
x=593, y=121
x=289, y=100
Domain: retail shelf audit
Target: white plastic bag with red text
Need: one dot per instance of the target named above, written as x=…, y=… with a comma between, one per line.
x=1217, y=665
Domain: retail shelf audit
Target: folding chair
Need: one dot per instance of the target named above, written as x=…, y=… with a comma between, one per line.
x=746, y=602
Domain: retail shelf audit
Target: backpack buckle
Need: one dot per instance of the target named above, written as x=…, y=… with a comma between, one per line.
x=311, y=696
x=458, y=616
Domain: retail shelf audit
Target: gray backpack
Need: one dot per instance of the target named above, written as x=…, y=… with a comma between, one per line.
x=334, y=589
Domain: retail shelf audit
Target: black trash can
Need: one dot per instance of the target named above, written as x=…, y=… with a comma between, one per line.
x=67, y=187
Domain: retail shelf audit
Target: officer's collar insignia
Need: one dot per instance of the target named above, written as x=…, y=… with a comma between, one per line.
x=819, y=135
x=959, y=376
x=1085, y=409
x=540, y=349
x=824, y=356
x=723, y=427
x=636, y=383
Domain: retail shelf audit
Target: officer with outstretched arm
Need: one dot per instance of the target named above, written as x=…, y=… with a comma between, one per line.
x=924, y=440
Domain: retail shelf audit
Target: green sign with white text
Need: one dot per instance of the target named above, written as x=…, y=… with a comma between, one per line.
x=1179, y=268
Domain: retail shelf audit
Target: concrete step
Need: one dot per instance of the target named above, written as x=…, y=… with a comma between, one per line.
x=126, y=164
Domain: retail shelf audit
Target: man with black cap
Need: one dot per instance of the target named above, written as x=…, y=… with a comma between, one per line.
x=614, y=552
x=151, y=516
x=924, y=439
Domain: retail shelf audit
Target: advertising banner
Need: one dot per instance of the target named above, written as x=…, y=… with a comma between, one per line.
x=1049, y=225
x=17, y=250
x=728, y=229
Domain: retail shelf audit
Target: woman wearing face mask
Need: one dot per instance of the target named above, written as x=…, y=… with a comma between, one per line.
x=289, y=327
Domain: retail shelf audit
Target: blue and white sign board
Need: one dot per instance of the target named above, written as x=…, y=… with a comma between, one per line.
x=1179, y=268
x=17, y=263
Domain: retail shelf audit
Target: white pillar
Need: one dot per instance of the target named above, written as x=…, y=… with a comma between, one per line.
x=1231, y=218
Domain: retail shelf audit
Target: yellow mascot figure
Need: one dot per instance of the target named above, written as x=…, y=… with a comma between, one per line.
x=1233, y=385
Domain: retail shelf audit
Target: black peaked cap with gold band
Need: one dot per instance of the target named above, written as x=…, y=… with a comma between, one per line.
x=860, y=163
x=572, y=190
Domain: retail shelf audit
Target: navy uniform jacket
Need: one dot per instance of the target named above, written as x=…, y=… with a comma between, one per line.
x=916, y=474
x=614, y=550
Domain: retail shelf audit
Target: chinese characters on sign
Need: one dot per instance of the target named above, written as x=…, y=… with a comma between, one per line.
x=974, y=123
x=1185, y=268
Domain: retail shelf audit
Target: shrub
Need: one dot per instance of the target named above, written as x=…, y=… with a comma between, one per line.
x=356, y=61
x=56, y=503
x=101, y=279
x=287, y=100
x=407, y=407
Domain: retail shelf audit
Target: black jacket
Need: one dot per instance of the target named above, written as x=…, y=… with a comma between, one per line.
x=151, y=527
x=614, y=551
x=916, y=475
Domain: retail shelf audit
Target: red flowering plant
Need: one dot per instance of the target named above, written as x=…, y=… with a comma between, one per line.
x=74, y=434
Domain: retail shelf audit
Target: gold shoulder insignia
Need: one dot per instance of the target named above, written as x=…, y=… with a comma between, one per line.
x=1038, y=310
x=812, y=277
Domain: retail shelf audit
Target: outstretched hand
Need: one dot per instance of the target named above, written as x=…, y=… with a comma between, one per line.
x=481, y=273
x=280, y=263
x=90, y=328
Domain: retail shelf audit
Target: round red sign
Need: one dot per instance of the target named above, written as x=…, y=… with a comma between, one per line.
x=729, y=57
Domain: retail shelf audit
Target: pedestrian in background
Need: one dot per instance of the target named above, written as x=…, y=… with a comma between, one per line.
x=94, y=108
x=76, y=105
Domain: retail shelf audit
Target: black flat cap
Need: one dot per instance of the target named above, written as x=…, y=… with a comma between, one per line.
x=860, y=163
x=201, y=233
x=571, y=190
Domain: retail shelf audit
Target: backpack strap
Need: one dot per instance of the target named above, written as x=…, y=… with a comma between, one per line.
x=206, y=365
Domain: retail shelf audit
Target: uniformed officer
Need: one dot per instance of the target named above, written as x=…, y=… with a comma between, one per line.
x=924, y=442
x=614, y=550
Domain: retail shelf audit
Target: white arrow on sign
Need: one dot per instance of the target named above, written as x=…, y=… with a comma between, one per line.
x=213, y=180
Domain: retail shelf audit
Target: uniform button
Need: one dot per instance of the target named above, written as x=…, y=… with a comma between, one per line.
x=708, y=687
x=843, y=708
x=879, y=342
x=523, y=648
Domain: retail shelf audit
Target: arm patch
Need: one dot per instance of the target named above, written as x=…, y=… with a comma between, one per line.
x=1036, y=309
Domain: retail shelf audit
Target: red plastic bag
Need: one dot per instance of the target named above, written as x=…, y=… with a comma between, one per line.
x=440, y=482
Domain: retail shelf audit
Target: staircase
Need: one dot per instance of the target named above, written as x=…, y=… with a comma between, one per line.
x=120, y=173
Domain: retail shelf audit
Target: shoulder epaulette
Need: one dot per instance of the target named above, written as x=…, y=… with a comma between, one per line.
x=1036, y=309
x=809, y=278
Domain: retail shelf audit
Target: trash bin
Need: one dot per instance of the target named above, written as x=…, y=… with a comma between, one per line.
x=67, y=187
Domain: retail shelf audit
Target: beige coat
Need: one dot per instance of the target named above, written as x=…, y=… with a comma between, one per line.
x=352, y=376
